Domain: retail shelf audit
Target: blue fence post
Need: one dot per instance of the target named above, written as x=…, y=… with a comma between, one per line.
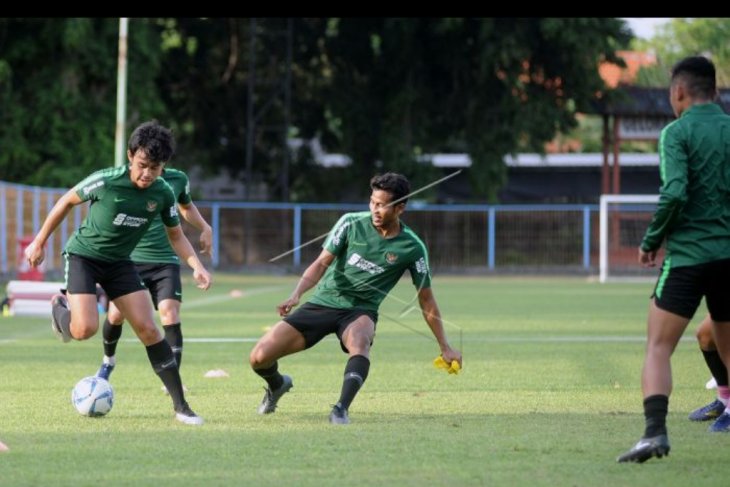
x=36, y=209
x=297, y=235
x=215, y=223
x=64, y=231
x=19, y=214
x=50, y=253
x=586, y=237
x=490, y=237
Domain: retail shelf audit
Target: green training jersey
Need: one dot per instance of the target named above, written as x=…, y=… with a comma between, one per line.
x=155, y=248
x=119, y=214
x=693, y=213
x=367, y=266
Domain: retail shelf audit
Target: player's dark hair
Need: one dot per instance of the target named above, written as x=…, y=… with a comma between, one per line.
x=698, y=74
x=156, y=141
x=395, y=184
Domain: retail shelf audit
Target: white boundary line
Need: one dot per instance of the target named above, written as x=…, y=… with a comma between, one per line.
x=566, y=339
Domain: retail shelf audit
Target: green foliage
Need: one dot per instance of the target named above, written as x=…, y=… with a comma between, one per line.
x=58, y=89
x=381, y=90
x=683, y=37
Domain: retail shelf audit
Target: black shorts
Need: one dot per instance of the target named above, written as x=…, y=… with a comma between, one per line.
x=163, y=281
x=115, y=278
x=316, y=322
x=679, y=290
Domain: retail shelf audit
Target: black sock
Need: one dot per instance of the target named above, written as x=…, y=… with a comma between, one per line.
x=655, y=413
x=356, y=371
x=716, y=366
x=111, y=334
x=272, y=376
x=164, y=365
x=173, y=335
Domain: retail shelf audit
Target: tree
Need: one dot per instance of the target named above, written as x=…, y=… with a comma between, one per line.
x=58, y=96
x=684, y=37
x=488, y=87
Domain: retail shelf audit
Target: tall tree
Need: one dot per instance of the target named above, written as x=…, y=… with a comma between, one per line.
x=489, y=87
x=683, y=37
x=58, y=95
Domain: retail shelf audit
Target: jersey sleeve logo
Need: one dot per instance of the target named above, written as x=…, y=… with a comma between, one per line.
x=88, y=189
x=421, y=266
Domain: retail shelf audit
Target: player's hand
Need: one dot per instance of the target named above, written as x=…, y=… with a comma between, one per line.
x=206, y=242
x=449, y=360
x=452, y=367
x=647, y=259
x=203, y=280
x=34, y=254
x=285, y=307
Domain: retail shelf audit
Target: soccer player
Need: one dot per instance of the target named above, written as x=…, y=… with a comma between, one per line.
x=716, y=408
x=159, y=267
x=693, y=217
x=363, y=257
x=124, y=202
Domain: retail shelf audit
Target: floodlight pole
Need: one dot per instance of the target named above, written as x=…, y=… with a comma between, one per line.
x=121, y=93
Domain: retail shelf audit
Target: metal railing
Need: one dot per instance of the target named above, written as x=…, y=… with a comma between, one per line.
x=460, y=238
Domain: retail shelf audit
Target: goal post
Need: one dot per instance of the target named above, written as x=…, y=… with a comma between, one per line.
x=623, y=219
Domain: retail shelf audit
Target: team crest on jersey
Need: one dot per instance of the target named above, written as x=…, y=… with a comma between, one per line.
x=390, y=257
x=151, y=206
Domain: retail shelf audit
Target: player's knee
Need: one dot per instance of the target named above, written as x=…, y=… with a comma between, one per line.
x=258, y=358
x=114, y=316
x=147, y=333
x=705, y=339
x=359, y=345
x=83, y=329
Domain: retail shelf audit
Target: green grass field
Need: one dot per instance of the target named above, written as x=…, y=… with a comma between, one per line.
x=549, y=396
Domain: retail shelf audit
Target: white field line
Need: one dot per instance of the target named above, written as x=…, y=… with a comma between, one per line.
x=566, y=339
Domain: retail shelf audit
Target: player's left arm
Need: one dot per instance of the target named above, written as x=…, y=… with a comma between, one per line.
x=432, y=315
x=191, y=215
x=181, y=245
x=674, y=173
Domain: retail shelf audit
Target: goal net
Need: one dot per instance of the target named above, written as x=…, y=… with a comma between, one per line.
x=623, y=222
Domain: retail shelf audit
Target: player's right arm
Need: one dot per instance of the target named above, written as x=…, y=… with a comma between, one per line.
x=35, y=252
x=309, y=279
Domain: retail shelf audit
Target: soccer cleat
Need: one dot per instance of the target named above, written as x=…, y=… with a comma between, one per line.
x=645, y=448
x=268, y=403
x=339, y=415
x=105, y=371
x=187, y=416
x=63, y=334
x=721, y=424
x=708, y=412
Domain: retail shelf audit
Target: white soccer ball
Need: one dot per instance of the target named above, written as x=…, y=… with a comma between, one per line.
x=93, y=396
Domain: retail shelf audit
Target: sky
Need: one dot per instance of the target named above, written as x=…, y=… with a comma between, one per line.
x=644, y=26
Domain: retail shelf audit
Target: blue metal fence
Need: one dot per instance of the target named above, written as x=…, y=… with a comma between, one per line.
x=517, y=238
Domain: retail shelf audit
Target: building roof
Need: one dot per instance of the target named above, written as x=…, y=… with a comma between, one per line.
x=636, y=101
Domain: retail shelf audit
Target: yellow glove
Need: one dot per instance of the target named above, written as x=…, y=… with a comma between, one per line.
x=440, y=363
